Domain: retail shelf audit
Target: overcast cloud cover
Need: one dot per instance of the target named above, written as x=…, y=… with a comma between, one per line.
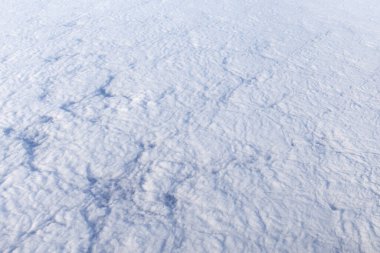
x=189, y=126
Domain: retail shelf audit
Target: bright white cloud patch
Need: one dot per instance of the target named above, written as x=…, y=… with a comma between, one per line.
x=189, y=126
